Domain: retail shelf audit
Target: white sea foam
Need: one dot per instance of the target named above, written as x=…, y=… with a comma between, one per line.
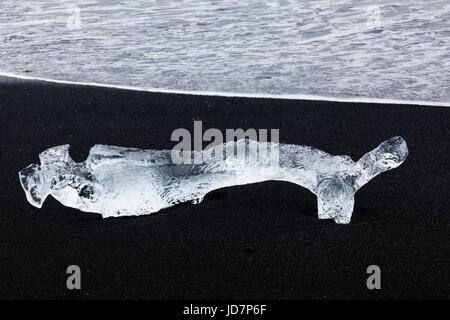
x=339, y=48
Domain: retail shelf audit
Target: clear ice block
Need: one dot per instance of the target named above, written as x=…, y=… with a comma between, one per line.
x=117, y=181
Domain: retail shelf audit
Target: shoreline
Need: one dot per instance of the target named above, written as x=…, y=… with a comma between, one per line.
x=232, y=94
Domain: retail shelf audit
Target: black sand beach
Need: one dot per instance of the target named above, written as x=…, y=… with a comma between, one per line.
x=260, y=241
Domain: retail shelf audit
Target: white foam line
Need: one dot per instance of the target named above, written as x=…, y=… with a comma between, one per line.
x=235, y=94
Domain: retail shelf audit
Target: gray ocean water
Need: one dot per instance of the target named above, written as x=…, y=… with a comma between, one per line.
x=337, y=48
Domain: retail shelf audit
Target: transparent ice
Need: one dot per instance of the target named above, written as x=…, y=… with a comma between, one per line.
x=117, y=181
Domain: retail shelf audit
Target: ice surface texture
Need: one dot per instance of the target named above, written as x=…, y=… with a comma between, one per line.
x=117, y=181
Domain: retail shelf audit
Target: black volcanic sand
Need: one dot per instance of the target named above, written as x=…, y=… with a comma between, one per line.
x=255, y=241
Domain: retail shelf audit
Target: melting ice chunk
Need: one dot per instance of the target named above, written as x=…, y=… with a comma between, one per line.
x=117, y=181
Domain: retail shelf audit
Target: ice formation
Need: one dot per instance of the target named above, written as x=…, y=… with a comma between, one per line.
x=117, y=181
